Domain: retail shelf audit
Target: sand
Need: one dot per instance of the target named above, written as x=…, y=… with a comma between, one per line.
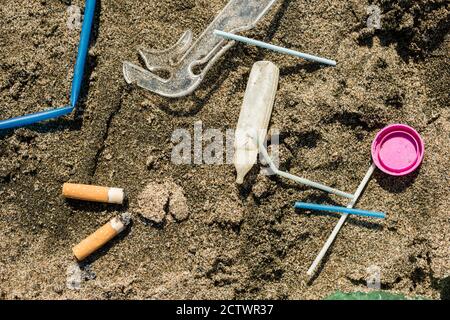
x=238, y=242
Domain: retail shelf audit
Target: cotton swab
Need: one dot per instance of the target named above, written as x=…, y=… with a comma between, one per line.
x=341, y=221
x=272, y=47
x=358, y=212
x=298, y=179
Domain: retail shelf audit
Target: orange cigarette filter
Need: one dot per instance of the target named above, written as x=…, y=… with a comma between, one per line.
x=93, y=193
x=100, y=237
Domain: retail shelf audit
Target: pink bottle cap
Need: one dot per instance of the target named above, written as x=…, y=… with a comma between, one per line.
x=398, y=150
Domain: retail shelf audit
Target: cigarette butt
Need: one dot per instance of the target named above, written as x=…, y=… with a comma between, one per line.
x=93, y=193
x=100, y=237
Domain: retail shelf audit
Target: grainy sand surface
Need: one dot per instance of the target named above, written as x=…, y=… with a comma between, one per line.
x=238, y=241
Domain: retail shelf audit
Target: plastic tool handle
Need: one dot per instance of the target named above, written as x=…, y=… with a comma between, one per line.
x=76, y=82
x=319, y=207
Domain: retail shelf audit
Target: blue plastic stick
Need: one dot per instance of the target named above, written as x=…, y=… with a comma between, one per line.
x=78, y=74
x=319, y=207
x=83, y=48
x=272, y=47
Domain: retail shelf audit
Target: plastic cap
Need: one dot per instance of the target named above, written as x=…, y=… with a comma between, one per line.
x=398, y=150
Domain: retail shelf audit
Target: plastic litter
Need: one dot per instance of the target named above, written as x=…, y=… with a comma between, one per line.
x=272, y=47
x=398, y=150
x=358, y=212
x=399, y=140
x=76, y=82
x=184, y=57
x=299, y=179
x=373, y=295
x=341, y=221
x=255, y=115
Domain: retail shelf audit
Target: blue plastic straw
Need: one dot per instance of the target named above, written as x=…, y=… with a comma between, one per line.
x=82, y=51
x=319, y=207
x=77, y=81
x=272, y=47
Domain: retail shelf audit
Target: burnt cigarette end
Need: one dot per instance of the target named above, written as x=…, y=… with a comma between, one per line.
x=101, y=236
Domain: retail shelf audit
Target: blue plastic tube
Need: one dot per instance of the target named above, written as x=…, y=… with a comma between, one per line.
x=83, y=48
x=320, y=207
x=77, y=81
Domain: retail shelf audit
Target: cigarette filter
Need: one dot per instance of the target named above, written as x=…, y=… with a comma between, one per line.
x=100, y=237
x=93, y=193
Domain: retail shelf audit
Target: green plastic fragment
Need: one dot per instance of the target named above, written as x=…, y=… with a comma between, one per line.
x=373, y=295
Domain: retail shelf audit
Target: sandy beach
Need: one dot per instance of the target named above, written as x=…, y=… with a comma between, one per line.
x=216, y=239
